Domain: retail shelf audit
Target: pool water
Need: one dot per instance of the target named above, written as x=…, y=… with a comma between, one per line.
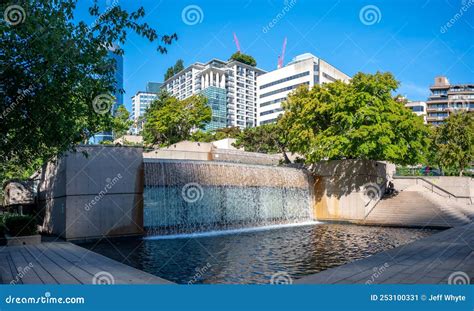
x=255, y=257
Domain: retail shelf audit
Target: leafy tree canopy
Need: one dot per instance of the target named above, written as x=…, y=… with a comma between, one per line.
x=169, y=120
x=244, y=58
x=121, y=122
x=171, y=71
x=209, y=136
x=453, y=142
x=357, y=120
x=56, y=76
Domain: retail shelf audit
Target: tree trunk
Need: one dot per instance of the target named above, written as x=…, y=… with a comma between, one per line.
x=287, y=160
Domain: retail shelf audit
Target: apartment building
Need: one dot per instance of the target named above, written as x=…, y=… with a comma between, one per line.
x=446, y=98
x=273, y=87
x=223, y=82
x=418, y=108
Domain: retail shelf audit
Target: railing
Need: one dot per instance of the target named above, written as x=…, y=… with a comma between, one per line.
x=374, y=202
x=431, y=186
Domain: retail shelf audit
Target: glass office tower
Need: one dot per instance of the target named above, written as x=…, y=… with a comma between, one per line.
x=217, y=100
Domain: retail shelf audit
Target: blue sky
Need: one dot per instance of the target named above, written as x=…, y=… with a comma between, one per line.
x=406, y=37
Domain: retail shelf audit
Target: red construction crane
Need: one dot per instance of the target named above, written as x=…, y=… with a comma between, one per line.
x=236, y=40
x=281, y=58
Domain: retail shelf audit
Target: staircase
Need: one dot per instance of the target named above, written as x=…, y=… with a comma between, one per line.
x=416, y=206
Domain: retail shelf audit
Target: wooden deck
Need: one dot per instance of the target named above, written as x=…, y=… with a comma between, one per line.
x=443, y=258
x=66, y=263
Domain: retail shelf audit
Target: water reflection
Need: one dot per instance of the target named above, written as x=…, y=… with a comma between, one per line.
x=254, y=257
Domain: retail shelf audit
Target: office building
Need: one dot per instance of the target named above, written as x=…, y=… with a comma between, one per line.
x=218, y=80
x=274, y=87
x=140, y=102
x=418, y=108
x=446, y=98
x=118, y=80
x=103, y=136
x=153, y=87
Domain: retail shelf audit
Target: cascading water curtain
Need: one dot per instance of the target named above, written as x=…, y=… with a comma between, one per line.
x=192, y=196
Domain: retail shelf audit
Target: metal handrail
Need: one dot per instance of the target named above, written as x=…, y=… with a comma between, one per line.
x=432, y=186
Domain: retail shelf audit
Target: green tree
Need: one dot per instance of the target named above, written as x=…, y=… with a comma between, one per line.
x=171, y=71
x=56, y=73
x=453, y=143
x=268, y=138
x=244, y=58
x=355, y=120
x=178, y=66
x=169, y=120
x=121, y=122
x=208, y=136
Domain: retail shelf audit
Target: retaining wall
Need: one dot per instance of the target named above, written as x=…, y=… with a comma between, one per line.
x=91, y=196
x=342, y=189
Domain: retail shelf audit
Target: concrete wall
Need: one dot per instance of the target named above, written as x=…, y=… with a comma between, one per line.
x=187, y=150
x=343, y=188
x=238, y=156
x=461, y=187
x=91, y=196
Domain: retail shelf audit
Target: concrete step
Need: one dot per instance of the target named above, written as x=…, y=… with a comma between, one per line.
x=415, y=207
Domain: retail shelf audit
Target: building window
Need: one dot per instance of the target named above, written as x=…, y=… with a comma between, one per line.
x=275, y=101
x=268, y=121
x=271, y=111
x=288, y=88
x=306, y=73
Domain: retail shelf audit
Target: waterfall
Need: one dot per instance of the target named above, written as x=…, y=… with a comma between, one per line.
x=200, y=196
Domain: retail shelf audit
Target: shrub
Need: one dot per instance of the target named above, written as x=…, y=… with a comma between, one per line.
x=21, y=225
x=2, y=230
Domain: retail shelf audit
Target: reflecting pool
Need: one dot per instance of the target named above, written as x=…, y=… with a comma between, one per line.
x=253, y=257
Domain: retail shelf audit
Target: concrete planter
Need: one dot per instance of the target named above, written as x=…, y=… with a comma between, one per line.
x=23, y=240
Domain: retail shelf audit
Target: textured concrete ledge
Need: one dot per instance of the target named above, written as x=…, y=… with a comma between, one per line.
x=159, y=172
x=443, y=258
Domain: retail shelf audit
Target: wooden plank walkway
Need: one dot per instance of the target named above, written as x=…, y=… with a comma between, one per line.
x=66, y=263
x=443, y=258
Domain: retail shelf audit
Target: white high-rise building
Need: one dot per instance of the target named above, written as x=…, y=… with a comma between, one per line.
x=140, y=103
x=231, y=88
x=273, y=87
